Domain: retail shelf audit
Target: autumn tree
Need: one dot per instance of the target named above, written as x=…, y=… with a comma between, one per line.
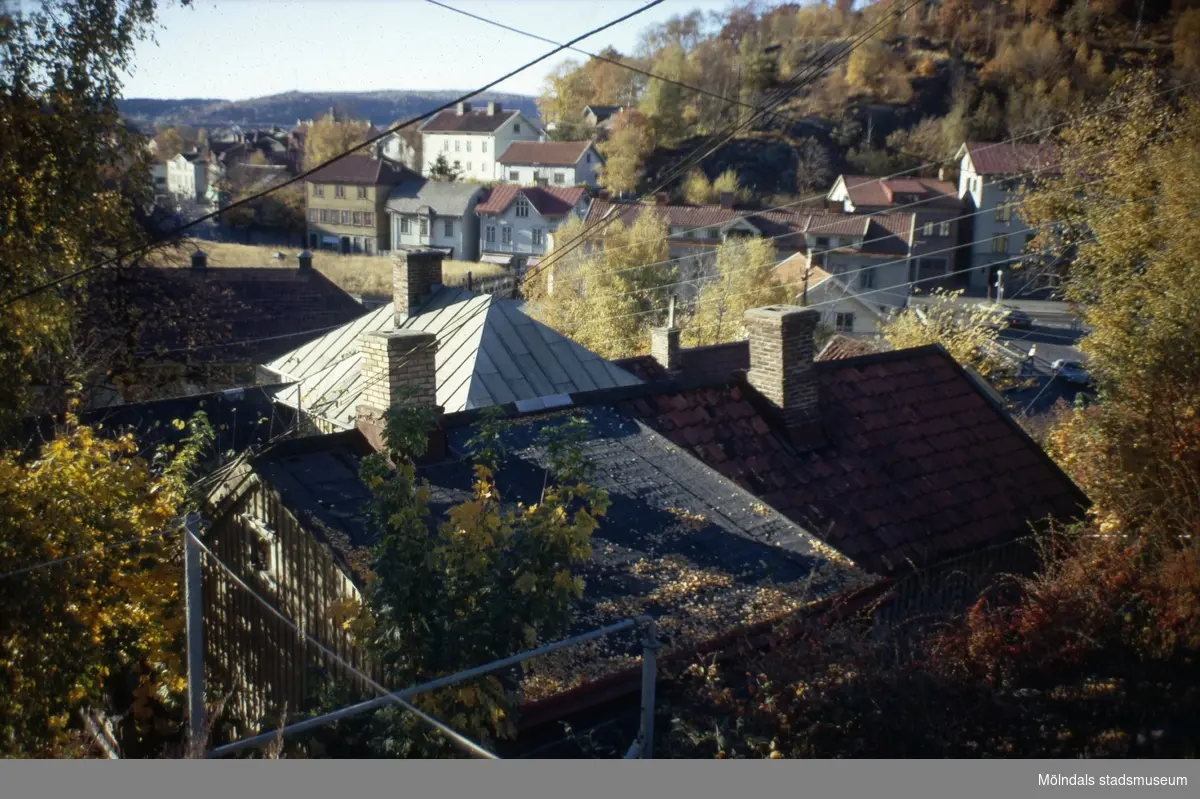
x=492, y=578
x=663, y=101
x=1185, y=40
x=744, y=279
x=625, y=151
x=607, y=293
x=968, y=334
x=1131, y=183
x=696, y=187
x=330, y=136
x=168, y=144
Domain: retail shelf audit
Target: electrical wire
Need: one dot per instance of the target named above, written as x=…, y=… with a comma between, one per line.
x=306, y=173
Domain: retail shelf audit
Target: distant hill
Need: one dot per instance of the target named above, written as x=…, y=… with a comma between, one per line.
x=381, y=107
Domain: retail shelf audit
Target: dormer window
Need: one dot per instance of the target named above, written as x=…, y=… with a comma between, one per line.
x=522, y=207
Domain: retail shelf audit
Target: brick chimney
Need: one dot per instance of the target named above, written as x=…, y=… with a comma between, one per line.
x=664, y=344
x=415, y=275
x=494, y=108
x=781, y=366
x=727, y=199
x=398, y=366
x=662, y=198
x=464, y=108
x=199, y=260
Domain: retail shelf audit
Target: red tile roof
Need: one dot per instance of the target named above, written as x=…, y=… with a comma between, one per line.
x=363, y=170
x=870, y=192
x=547, y=200
x=713, y=361
x=1010, y=158
x=548, y=153
x=918, y=465
x=450, y=121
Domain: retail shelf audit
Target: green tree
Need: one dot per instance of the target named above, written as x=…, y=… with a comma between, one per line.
x=625, y=151
x=495, y=577
x=663, y=102
x=442, y=170
x=744, y=280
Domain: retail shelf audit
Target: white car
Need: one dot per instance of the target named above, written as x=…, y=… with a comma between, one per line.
x=1071, y=371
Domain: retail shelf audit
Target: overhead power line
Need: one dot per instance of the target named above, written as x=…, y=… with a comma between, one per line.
x=306, y=173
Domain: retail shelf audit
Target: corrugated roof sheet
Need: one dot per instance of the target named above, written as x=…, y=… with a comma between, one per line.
x=489, y=353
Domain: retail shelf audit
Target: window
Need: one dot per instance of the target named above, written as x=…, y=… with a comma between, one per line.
x=457, y=145
x=312, y=214
x=318, y=190
x=514, y=176
x=449, y=227
x=369, y=218
x=324, y=215
x=588, y=157
x=538, y=237
x=560, y=178
x=843, y=323
x=1003, y=214
x=689, y=233
x=424, y=226
x=369, y=246
x=1000, y=244
x=345, y=217
x=822, y=241
x=339, y=190
x=458, y=164
x=845, y=241
x=943, y=228
x=522, y=207
x=483, y=146
x=357, y=217
x=468, y=166
x=714, y=234
x=468, y=145
x=405, y=225
x=446, y=145
x=362, y=192
x=490, y=234
x=927, y=229
x=866, y=278
x=358, y=243
x=506, y=235
x=516, y=127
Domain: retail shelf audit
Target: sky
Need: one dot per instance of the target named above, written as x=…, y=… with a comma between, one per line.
x=237, y=49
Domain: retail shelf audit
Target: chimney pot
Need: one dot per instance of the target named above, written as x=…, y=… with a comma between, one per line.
x=464, y=108
x=199, y=260
x=661, y=198
x=781, y=366
x=494, y=108
x=305, y=259
x=727, y=199
x=415, y=275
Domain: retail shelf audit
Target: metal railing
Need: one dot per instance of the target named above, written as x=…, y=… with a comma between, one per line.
x=642, y=747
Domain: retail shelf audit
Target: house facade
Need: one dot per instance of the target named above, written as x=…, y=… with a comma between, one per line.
x=427, y=213
x=516, y=222
x=989, y=177
x=174, y=179
x=472, y=140
x=549, y=163
x=346, y=204
x=870, y=255
x=934, y=204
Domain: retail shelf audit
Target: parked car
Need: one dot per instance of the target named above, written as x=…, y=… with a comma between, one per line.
x=1071, y=371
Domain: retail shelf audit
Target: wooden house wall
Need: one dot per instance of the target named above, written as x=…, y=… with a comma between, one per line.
x=267, y=665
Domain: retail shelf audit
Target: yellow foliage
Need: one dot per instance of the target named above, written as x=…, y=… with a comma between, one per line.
x=745, y=279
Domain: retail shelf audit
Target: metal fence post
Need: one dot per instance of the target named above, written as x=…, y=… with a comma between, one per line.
x=194, y=599
x=650, y=647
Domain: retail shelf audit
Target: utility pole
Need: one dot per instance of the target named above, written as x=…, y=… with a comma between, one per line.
x=194, y=599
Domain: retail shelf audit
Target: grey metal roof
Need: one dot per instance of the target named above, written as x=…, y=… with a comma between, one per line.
x=446, y=199
x=488, y=353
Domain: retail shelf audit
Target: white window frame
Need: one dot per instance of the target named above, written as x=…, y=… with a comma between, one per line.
x=423, y=226
x=489, y=234
x=1000, y=244
x=448, y=227
x=521, y=208
x=843, y=322
x=927, y=229
x=539, y=237
x=506, y=235
x=405, y=224
x=943, y=229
